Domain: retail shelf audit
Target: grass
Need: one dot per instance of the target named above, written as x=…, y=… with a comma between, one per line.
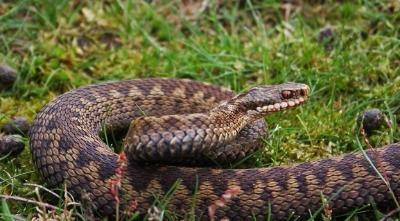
x=60, y=45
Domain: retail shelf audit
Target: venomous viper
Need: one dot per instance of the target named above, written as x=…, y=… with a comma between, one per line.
x=208, y=124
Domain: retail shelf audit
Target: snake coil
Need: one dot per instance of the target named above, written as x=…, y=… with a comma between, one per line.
x=180, y=121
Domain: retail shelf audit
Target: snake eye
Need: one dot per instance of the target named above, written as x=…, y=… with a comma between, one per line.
x=286, y=94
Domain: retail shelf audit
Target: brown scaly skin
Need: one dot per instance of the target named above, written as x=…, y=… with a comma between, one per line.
x=215, y=135
x=66, y=148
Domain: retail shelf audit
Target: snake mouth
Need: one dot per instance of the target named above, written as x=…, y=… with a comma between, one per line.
x=282, y=105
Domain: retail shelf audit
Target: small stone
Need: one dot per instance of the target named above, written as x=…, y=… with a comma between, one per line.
x=7, y=76
x=371, y=120
x=11, y=144
x=17, y=125
x=327, y=37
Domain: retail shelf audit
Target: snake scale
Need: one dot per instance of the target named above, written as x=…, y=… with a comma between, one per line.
x=183, y=121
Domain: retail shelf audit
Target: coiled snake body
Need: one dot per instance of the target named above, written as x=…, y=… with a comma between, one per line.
x=208, y=124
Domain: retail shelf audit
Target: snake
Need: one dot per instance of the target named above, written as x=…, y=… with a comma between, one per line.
x=175, y=125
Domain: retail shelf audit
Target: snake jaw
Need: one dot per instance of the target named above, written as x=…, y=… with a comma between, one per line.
x=280, y=106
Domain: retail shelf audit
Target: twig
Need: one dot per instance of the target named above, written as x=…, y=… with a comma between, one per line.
x=390, y=214
x=17, y=198
x=43, y=188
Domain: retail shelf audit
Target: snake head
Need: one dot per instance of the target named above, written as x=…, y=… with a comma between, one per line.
x=262, y=100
